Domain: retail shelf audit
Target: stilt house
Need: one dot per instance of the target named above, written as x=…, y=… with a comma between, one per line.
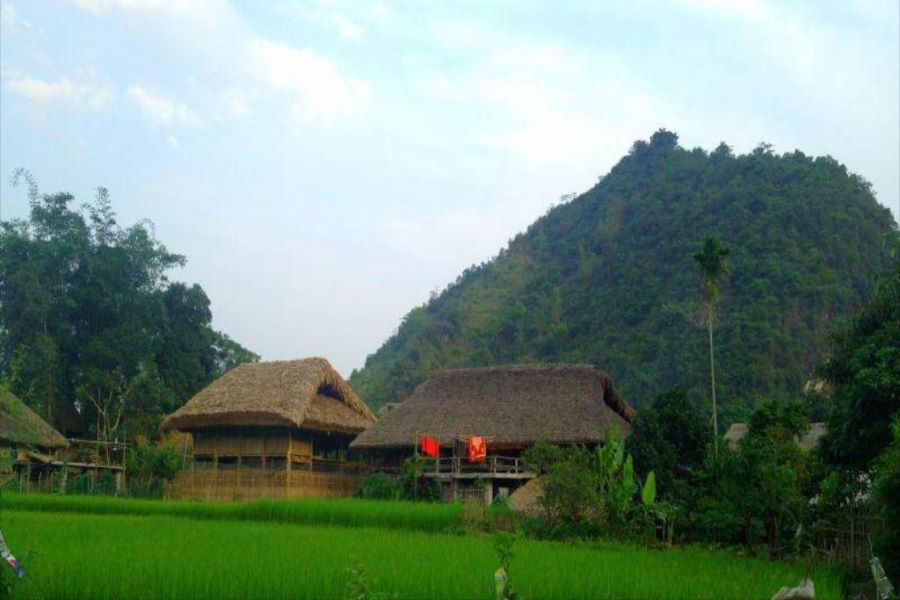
x=29, y=443
x=272, y=429
x=513, y=407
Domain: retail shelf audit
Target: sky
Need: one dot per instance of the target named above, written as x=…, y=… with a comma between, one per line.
x=326, y=165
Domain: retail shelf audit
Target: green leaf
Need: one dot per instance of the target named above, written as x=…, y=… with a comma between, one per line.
x=648, y=493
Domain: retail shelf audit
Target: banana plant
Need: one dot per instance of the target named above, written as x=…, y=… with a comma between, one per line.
x=618, y=484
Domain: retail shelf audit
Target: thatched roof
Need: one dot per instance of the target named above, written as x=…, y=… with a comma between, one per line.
x=511, y=405
x=19, y=425
x=304, y=393
x=809, y=441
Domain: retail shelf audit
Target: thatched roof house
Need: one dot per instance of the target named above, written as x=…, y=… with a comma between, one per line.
x=272, y=429
x=809, y=441
x=22, y=427
x=306, y=393
x=513, y=406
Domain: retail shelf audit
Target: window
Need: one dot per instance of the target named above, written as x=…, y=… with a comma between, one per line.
x=203, y=463
x=251, y=462
x=227, y=463
x=276, y=463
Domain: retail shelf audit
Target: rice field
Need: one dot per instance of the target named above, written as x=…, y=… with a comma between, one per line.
x=348, y=512
x=104, y=556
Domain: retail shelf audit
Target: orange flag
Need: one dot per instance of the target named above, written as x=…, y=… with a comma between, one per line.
x=477, y=448
x=430, y=446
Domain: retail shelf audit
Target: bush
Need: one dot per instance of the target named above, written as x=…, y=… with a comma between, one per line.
x=379, y=486
x=473, y=516
x=671, y=437
x=592, y=491
x=413, y=483
x=149, y=466
x=886, y=501
x=501, y=516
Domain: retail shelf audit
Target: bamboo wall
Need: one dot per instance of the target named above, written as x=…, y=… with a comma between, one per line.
x=245, y=484
x=258, y=462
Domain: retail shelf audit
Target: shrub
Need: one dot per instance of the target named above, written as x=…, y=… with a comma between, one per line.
x=886, y=501
x=473, y=516
x=592, y=491
x=501, y=516
x=413, y=483
x=149, y=466
x=379, y=486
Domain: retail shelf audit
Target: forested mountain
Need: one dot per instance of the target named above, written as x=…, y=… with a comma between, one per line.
x=607, y=278
x=93, y=335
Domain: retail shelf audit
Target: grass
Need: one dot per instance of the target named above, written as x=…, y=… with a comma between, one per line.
x=348, y=512
x=100, y=556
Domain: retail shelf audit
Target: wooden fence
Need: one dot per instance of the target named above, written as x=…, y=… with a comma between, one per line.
x=849, y=542
x=247, y=484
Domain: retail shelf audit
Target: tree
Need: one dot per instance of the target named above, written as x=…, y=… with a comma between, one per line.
x=670, y=437
x=886, y=502
x=93, y=335
x=763, y=479
x=864, y=370
x=712, y=260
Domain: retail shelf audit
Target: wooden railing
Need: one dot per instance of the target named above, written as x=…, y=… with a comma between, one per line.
x=493, y=464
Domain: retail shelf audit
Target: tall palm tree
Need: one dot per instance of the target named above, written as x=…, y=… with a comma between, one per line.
x=711, y=259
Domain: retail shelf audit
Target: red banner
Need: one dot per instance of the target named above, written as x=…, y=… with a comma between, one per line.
x=430, y=446
x=477, y=448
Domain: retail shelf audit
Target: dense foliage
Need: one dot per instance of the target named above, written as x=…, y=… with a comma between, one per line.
x=755, y=493
x=672, y=438
x=607, y=278
x=591, y=493
x=93, y=336
x=864, y=368
x=860, y=446
x=887, y=505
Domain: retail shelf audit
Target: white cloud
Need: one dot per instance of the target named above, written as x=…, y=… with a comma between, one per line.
x=10, y=22
x=344, y=27
x=319, y=90
x=83, y=90
x=162, y=110
x=212, y=33
x=174, y=142
x=754, y=10
x=539, y=104
x=235, y=103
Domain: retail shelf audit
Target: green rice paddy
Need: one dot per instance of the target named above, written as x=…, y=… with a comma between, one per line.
x=348, y=512
x=152, y=554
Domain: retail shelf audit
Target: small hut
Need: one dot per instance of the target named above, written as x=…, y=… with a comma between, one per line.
x=30, y=442
x=809, y=441
x=272, y=429
x=513, y=407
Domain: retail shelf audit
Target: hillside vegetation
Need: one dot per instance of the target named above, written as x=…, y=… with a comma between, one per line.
x=606, y=278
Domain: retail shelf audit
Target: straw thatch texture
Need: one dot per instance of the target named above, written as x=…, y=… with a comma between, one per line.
x=511, y=406
x=19, y=425
x=808, y=442
x=298, y=393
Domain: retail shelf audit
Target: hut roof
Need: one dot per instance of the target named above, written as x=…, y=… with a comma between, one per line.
x=510, y=405
x=21, y=425
x=809, y=441
x=305, y=393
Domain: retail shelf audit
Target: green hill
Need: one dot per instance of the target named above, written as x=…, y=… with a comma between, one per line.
x=607, y=279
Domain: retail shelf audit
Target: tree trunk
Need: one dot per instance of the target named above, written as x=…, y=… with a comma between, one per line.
x=712, y=377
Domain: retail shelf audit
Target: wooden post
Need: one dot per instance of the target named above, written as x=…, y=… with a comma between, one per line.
x=265, y=451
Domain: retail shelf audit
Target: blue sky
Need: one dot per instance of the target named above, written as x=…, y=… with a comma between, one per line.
x=325, y=165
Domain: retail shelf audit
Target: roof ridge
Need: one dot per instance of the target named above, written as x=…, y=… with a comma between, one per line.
x=524, y=367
